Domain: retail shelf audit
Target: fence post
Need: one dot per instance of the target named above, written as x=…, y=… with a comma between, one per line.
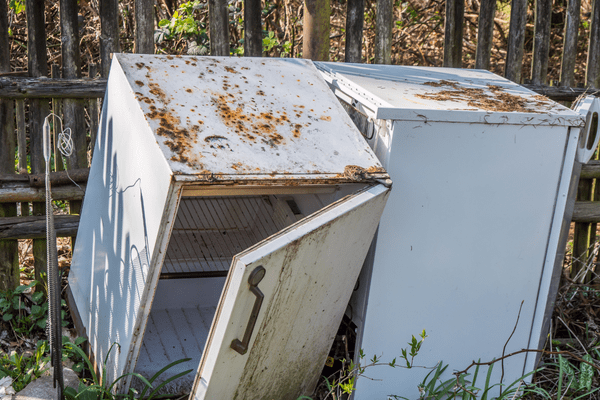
x=109, y=37
x=355, y=19
x=56, y=109
x=516, y=39
x=567, y=69
x=453, y=33
x=93, y=110
x=144, y=27
x=485, y=34
x=584, y=233
x=315, y=44
x=9, y=256
x=252, y=28
x=38, y=110
x=383, y=32
x=218, y=27
x=71, y=68
x=541, y=42
x=592, y=73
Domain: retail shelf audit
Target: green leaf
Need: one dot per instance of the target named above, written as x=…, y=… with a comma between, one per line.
x=7, y=317
x=586, y=373
x=37, y=297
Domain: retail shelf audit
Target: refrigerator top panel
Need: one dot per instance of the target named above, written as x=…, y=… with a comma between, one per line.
x=444, y=95
x=230, y=118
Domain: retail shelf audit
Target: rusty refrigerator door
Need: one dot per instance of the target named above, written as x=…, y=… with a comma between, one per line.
x=276, y=309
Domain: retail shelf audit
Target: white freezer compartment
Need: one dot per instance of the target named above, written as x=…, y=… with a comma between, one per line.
x=207, y=233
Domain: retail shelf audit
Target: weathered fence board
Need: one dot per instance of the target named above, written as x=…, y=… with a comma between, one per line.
x=383, y=34
x=144, y=27
x=541, y=42
x=252, y=28
x=355, y=19
x=315, y=28
x=485, y=34
x=567, y=70
x=218, y=27
x=453, y=33
x=109, y=37
x=9, y=257
x=44, y=88
x=516, y=40
x=35, y=227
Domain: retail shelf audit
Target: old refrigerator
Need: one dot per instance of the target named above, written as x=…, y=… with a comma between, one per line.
x=229, y=208
x=484, y=175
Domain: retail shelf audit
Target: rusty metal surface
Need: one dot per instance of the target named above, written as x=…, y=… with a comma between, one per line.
x=245, y=118
x=445, y=95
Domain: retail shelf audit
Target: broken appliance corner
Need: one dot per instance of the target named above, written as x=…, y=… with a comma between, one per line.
x=229, y=208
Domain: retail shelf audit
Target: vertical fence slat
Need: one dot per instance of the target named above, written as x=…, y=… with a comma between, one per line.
x=56, y=109
x=93, y=110
x=38, y=110
x=541, y=42
x=109, y=37
x=592, y=75
x=383, y=31
x=22, y=145
x=315, y=42
x=485, y=34
x=583, y=232
x=73, y=109
x=453, y=33
x=9, y=256
x=355, y=19
x=252, y=28
x=218, y=27
x=516, y=40
x=567, y=69
x=144, y=27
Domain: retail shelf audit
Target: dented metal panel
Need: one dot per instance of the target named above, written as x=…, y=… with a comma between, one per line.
x=238, y=119
x=445, y=95
x=310, y=270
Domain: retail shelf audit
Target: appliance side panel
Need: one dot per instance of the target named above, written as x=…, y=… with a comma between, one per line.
x=121, y=219
x=462, y=242
x=550, y=279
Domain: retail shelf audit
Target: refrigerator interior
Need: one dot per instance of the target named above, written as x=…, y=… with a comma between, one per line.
x=207, y=233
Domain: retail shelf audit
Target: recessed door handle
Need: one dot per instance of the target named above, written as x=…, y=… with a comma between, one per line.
x=254, y=279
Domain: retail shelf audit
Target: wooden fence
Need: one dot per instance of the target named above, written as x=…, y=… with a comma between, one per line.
x=27, y=98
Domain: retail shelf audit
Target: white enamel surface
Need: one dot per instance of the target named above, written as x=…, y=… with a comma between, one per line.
x=587, y=107
x=462, y=242
x=120, y=224
x=411, y=93
x=471, y=229
x=311, y=268
x=244, y=116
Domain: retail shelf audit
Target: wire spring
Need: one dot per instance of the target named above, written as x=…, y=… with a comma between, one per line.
x=64, y=143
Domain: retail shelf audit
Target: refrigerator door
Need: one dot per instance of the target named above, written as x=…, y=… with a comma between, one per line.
x=282, y=303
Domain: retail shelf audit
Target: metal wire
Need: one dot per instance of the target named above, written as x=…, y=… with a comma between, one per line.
x=54, y=324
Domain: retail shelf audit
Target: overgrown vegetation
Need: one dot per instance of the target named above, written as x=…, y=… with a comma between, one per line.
x=417, y=37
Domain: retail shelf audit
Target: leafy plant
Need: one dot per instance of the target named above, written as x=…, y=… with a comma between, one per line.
x=185, y=25
x=100, y=389
x=23, y=312
x=23, y=369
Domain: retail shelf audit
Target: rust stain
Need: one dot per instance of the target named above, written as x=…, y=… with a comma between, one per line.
x=251, y=125
x=140, y=65
x=356, y=173
x=495, y=98
x=139, y=83
x=231, y=70
x=189, y=90
x=325, y=118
